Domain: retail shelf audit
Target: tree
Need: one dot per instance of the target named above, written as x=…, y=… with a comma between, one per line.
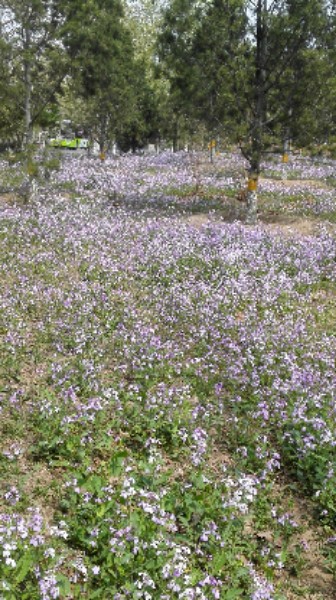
x=236, y=62
x=30, y=28
x=143, y=18
x=308, y=85
x=218, y=46
x=103, y=67
x=176, y=63
x=140, y=124
x=11, y=113
x=279, y=32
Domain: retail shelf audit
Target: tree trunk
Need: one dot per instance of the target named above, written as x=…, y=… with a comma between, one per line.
x=28, y=135
x=102, y=150
x=259, y=113
x=175, y=136
x=252, y=197
x=211, y=150
x=102, y=137
x=286, y=146
x=286, y=141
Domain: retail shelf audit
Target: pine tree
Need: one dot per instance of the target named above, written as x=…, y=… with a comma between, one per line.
x=102, y=64
x=30, y=28
x=236, y=64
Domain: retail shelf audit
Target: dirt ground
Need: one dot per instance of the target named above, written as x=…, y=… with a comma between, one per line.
x=288, y=225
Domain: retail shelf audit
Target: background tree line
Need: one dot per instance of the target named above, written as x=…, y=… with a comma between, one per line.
x=259, y=73
x=73, y=60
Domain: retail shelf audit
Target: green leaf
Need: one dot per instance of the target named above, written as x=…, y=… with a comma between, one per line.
x=64, y=584
x=219, y=561
x=234, y=593
x=59, y=463
x=117, y=461
x=23, y=567
x=95, y=484
x=97, y=594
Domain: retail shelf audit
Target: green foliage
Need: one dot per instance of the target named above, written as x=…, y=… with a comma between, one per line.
x=36, y=63
x=252, y=76
x=106, y=75
x=11, y=112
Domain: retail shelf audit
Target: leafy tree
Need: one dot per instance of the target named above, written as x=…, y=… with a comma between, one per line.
x=143, y=18
x=140, y=124
x=279, y=34
x=11, y=112
x=102, y=65
x=30, y=28
x=218, y=46
x=308, y=85
x=176, y=63
x=270, y=56
x=236, y=63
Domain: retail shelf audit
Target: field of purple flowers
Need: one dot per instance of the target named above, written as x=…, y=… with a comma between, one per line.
x=167, y=382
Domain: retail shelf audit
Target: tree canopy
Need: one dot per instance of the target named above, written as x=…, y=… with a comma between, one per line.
x=255, y=72
x=244, y=68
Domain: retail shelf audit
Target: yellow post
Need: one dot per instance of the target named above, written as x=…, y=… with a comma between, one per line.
x=285, y=158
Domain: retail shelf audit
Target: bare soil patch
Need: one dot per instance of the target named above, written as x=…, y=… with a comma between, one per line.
x=286, y=225
x=291, y=225
x=296, y=183
x=8, y=198
x=198, y=220
x=314, y=574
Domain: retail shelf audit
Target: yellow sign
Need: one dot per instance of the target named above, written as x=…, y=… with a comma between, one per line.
x=102, y=156
x=252, y=185
x=285, y=158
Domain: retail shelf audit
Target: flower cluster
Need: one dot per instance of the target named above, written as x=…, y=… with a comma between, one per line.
x=142, y=356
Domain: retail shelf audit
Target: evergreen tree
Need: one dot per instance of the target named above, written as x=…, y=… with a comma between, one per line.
x=308, y=84
x=236, y=63
x=218, y=47
x=102, y=64
x=176, y=66
x=11, y=110
x=30, y=28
